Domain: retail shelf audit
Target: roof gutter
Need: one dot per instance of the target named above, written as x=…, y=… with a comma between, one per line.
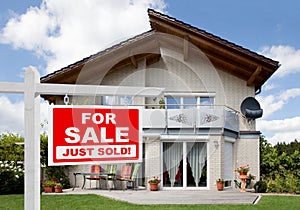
x=258, y=91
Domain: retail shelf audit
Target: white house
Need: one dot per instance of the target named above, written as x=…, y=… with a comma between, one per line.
x=195, y=132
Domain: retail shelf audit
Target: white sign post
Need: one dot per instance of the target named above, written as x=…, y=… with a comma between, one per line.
x=32, y=141
x=31, y=88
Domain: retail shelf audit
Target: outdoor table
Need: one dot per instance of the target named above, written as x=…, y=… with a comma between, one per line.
x=84, y=174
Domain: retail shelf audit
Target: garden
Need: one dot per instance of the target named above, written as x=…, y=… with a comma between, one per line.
x=280, y=166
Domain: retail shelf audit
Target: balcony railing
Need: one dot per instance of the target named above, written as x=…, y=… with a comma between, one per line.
x=192, y=118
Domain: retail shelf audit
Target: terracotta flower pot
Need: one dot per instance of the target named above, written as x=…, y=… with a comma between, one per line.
x=58, y=189
x=153, y=186
x=48, y=189
x=220, y=186
x=243, y=173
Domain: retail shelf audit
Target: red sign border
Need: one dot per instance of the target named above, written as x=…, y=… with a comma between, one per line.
x=78, y=162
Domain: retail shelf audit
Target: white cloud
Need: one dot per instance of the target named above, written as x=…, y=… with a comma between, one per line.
x=288, y=56
x=269, y=86
x=62, y=32
x=272, y=103
x=285, y=130
x=12, y=115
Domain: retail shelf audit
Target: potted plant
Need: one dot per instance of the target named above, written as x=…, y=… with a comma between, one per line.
x=249, y=180
x=153, y=182
x=243, y=170
x=58, y=187
x=220, y=184
x=48, y=186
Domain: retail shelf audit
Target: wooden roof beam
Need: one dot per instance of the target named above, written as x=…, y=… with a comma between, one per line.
x=253, y=76
x=185, y=47
x=202, y=40
x=134, y=62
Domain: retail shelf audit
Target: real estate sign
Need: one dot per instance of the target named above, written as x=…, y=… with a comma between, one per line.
x=89, y=134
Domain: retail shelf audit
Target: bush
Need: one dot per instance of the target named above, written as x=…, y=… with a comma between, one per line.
x=57, y=174
x=11, y=178
x=260, y=187
x=284, y=184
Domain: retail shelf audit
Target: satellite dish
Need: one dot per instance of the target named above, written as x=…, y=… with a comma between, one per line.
x=251, y=108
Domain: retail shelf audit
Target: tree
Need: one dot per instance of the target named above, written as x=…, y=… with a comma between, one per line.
x=287, y=148
x=280, y=166
x=268, y=158
x=11, y=147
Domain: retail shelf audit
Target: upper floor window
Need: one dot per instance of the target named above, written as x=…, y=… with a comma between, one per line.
x=173, y=103
x=117, y=100
x=207, y=101
x=188, y=102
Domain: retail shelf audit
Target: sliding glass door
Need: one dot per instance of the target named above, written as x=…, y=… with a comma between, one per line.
x=184, y=164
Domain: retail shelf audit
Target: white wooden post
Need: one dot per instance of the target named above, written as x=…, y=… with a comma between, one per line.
x=32, y=140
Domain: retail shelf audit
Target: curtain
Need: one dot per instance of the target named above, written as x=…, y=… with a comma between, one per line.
x=172, y=155
x=197, y=154
x=196, y=157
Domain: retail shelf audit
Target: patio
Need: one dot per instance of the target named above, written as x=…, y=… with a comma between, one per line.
x=143, y=196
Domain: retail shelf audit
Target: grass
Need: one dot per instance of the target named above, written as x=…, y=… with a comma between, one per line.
x=91, y=202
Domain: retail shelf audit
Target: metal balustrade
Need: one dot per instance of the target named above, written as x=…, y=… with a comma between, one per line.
x=192, y=118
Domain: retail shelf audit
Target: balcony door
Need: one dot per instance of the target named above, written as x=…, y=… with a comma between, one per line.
x=184, y=164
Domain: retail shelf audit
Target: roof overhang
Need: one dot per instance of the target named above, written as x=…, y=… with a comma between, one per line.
x=236, y=60
x=255, y=69
x=129, y=52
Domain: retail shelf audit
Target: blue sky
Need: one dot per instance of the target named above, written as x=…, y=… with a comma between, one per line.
x=54, y=33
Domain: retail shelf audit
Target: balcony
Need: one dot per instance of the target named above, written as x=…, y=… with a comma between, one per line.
x=220, y=117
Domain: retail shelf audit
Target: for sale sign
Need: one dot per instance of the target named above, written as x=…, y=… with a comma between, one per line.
x=85, y=134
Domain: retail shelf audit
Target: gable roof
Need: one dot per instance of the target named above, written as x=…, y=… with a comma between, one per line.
x=227, y=56
x=224, y=55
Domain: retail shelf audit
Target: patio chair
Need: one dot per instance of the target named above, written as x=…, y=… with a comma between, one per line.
x=125, y=174
x=110, y=175
x=94, y=169
x=131, y=178
x=237, y=184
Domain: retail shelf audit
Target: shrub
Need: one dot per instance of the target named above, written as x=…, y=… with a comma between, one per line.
x=260, y=186
x=11, y=178
x=55, y=173
x=287, y=183
x=48, y=184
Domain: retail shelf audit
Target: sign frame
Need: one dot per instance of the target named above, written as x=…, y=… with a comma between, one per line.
x=51, y=140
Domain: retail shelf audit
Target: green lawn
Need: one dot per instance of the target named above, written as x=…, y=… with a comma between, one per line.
x=65, y=202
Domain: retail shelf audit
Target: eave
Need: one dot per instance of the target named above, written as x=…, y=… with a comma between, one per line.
x=255, y=69
x=129, y=52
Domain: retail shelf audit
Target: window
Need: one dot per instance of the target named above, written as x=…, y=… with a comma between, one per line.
x=187, y=102
x=228, y=163
x=206, y=101
x=117, y=100
x=193, y=156
x=173, y=103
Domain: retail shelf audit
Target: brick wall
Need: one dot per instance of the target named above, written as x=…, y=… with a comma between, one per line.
x=152, y=158
x=247, y=152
